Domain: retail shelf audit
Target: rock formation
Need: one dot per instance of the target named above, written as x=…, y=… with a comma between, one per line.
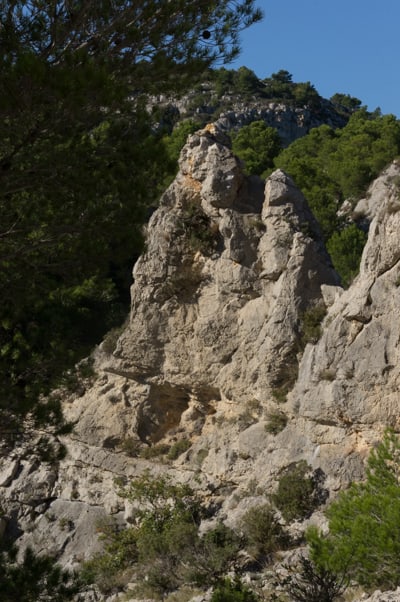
x=231, y=112
x=291, y=123
x=216, y=343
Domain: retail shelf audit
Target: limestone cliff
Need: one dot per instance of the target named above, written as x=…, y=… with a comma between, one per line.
x=231, y=112
x=215, y=344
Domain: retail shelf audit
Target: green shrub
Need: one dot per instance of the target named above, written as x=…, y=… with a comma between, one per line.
x=309, y=582
x=163, y=550
x=212, y=555
x=262, y=532
x=311, y=324
x=130, y=446
x=286, y=377
x=229, y=590
x=299, y=492
x=276, y=422
x=201, y=456
x=345, y=248
x=246, y=418
x=109, y=569
x=178, y=448
x=280, y=393
x=155, y=451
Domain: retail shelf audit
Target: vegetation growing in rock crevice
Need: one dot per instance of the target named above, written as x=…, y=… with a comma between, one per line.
x=200, y=234
x=276, y=422
x=311, y=321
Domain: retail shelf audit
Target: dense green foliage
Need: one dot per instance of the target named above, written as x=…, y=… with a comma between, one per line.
x=79, y=163
x=242, y=81
x=347, y=101
x=229, y=590
x=277, y=421
x=257, y=145
x=364, y=524
x=330, y=166
x=278, y=87
x=35, y=579
x=263, y=534
x=298, y=493
x=333, y=165
x=345, y=247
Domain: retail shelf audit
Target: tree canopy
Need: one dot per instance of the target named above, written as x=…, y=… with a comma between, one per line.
x=80, y=163
x=257, y=145
x=331, y=166
x=279, y=87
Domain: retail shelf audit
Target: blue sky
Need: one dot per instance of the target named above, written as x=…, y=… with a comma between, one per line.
x=346, y=46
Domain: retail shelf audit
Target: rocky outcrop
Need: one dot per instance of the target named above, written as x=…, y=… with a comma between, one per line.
x=217, y=304
x=290, y=122
x=230, y=113
x=215, y=345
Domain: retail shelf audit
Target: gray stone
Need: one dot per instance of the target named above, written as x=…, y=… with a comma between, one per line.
x=8, y=471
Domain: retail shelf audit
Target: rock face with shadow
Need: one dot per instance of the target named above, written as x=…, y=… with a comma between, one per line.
x=230, y=268
x=218, y=343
